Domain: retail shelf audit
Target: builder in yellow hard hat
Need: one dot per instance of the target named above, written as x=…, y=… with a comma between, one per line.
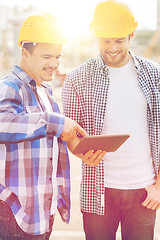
x=34, y=172
x=117, y=93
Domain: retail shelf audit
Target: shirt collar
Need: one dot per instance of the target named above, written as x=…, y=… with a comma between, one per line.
x=24, y=77
x=136, y=63
x=100, y=62
x=102, y=65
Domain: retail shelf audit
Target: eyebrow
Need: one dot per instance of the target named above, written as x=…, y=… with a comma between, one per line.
x=51, y=55
x=106, y=39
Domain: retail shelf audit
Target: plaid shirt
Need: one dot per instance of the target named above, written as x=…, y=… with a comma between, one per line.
x=26, y=150
x=84, y=98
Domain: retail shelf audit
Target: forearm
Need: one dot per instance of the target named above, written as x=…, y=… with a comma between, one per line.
x=22, y=122
x=72, y=144
x=152, y=200
x=157, y=183
x=22, y=127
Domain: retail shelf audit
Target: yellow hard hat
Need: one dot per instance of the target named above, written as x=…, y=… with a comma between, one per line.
x=112, y=19
x=41, y=28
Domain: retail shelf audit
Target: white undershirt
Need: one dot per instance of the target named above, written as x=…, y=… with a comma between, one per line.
x=46, y=103
x=130, y=167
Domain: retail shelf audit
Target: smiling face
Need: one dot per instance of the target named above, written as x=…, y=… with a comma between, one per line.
x=114, y=51
x=42, y=62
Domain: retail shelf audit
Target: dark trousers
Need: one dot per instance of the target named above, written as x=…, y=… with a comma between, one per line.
x=9, y=229
x=121, y=206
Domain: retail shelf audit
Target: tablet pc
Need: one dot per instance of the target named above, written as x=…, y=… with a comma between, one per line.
x=108, y=143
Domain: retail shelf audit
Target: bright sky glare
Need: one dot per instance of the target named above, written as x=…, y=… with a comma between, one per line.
x=75, y=15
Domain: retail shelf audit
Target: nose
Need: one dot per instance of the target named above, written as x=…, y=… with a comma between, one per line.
x=112, y=47
x=54, y=62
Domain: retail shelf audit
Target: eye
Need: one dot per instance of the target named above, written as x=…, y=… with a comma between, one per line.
x=46, y=57
x=105, y=42
x=58, y=57
x=120, y=41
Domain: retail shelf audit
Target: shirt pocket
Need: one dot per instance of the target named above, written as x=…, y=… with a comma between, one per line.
x=32, y=109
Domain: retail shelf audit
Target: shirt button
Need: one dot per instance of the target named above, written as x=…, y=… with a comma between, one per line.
x=50, y=159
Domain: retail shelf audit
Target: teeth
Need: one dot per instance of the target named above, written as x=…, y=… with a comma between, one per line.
x=113, y=54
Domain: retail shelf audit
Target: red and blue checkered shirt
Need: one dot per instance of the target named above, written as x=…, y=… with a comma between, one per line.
x=27, y=133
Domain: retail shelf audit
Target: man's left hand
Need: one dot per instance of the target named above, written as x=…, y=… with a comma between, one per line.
x=152, y=200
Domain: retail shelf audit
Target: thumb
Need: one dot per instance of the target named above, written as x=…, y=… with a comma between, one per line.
x=81, y=131
x=146, y=202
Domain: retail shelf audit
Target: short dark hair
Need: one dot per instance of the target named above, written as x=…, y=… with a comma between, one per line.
x=29, y=46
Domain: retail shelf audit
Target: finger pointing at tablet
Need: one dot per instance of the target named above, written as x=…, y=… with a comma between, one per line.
x=71, y=128
x=81, y=131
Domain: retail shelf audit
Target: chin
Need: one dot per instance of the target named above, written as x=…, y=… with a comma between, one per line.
x=48, y=78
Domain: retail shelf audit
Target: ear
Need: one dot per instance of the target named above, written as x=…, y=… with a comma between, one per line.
x=132, y=34
x=25, y=53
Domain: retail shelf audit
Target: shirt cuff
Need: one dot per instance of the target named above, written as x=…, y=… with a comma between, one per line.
x=55, y=124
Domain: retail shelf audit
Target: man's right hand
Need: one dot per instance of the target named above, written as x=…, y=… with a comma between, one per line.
x=92, y=158
x=71, y=128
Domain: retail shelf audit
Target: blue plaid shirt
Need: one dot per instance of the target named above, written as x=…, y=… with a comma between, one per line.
x=84, y=98
x=26, y=153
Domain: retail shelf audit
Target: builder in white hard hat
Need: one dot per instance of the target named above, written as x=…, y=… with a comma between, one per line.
x=117, y=93
x=34, y=172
